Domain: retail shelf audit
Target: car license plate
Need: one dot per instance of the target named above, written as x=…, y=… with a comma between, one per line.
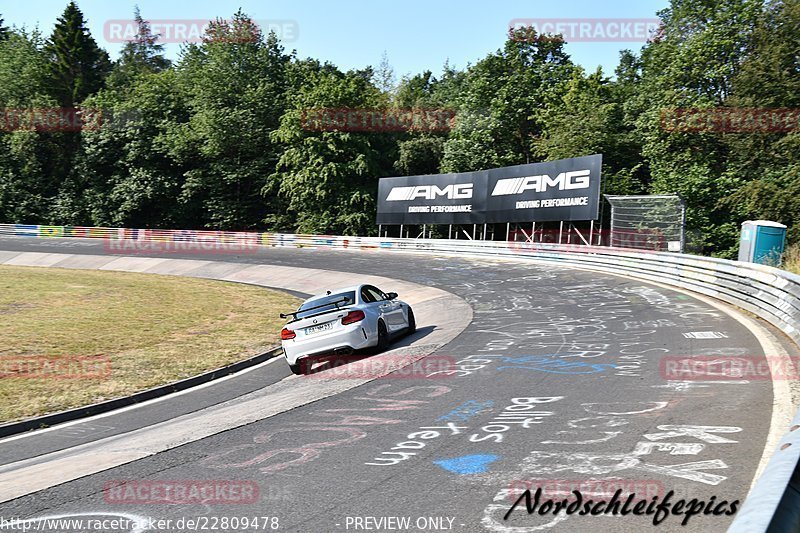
x=317, y=329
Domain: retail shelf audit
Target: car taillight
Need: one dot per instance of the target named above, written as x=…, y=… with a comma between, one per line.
x=287, y=334
x=353, y=317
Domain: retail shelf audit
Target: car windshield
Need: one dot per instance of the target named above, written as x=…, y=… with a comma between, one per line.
x=327, y=303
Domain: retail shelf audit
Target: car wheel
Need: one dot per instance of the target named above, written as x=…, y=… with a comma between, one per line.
x=383, y=337
x=296, y=369
x=412, y=322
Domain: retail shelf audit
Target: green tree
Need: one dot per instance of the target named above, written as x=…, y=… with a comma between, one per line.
x=77, y=65
x=383, y=76
x=329, y=179
x=421, y=151
x=31, y=162
x=416, y=91
x=236, y=83
x=122, y=175
x=140, y=55
x=421, y=154
x=23, y=69
x=504, y=97
x=78, y=68
x=125, y=168
x=765, y=163
x=3, y=30
x=590, y=119
x=691, y=64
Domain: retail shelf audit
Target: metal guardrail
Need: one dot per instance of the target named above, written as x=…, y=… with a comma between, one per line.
x=770, y=293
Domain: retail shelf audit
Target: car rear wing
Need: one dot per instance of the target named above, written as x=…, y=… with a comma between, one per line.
x=326, y=304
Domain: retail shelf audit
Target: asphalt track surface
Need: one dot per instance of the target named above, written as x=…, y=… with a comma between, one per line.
x=560, y=384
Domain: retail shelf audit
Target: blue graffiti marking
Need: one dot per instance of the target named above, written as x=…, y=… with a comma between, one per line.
x=468, y=464
x=553, y=364
x=467, y=410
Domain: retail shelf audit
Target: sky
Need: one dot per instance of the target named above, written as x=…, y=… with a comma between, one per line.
x=415, y=35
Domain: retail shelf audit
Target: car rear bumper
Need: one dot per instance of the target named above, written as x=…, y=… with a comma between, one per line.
x=351, y=338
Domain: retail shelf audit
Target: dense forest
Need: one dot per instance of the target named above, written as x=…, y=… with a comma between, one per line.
x=221, y=138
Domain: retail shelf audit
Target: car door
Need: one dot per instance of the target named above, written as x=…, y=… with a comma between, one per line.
x=390, y=310
x=370, y=301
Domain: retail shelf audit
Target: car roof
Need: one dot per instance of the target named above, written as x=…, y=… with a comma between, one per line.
x=354, y=288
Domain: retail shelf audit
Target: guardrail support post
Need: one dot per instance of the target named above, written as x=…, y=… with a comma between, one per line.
x=611, y=231
x=683, y=224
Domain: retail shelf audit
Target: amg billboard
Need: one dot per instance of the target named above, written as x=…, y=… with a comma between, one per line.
x=433, y=199
x=568, y=189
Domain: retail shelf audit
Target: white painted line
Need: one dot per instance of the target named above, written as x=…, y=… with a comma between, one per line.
x=705, y=335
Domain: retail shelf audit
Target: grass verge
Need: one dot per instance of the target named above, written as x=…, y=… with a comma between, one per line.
x=75, y=337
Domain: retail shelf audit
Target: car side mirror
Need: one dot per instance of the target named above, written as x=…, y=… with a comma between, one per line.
x=392, y=295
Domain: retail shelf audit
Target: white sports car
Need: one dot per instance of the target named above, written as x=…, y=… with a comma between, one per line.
x=342, y=321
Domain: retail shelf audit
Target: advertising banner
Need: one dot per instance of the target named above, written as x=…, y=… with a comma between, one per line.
x=568, y=189
x=433, y=199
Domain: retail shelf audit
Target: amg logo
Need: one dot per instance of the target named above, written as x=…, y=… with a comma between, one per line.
x=457, y=191
x=578, y=179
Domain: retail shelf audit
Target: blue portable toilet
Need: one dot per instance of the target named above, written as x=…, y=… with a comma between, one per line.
x=762, y=242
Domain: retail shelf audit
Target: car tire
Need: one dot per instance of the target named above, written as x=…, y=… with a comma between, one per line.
x=412, y=322
x=383, y=337
x=296, y=369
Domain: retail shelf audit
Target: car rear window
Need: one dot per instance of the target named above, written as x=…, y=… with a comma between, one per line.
x=327, y=303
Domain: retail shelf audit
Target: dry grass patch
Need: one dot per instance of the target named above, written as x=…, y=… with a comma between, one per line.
x=791, y=259
x=152, y=330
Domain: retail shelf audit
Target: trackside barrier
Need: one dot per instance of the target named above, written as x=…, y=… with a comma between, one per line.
x=770, y=293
